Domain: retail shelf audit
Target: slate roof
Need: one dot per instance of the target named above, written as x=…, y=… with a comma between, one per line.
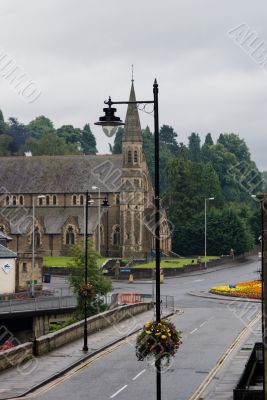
x=53, y=219
x=60, y=174
x=4, y=237
x=6, y=253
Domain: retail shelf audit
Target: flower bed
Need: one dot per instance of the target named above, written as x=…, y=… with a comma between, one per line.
x=249, y=289
x=6, y=346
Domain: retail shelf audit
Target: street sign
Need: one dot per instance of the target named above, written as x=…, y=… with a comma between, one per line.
x=6, y=268
x=125, y=270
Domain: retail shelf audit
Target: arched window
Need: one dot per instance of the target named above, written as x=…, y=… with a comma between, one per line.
x=129, y=156
x=7, y=200
x=14, y=200
x=40, y=201
x=21, y=200
x=37, y=237
x=81, y=199
x=70, y=238
x=47, y=200
x=54, y=200
x=135, y=156
x=116, y=236
x=74, y=199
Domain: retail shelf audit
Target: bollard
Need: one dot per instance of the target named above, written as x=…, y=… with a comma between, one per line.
x=131, y=278
x=161, y=277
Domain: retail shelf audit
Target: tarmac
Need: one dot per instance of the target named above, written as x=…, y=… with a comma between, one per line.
x=16, y=382
x=218, y=385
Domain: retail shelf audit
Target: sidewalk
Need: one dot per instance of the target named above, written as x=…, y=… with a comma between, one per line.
x=224, y=382
x=15, y=382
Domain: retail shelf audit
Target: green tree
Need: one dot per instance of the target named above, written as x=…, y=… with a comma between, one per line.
x=18, y=134
x=235, y=145
x=5, y=142
x=208, y=140
x=37, y=127
x=49, y=144
x=228, y=231
x=3, y=125
x=194, y=148
x=88, y=141
x=100, y=284
x=117, y=147
x=70, y=134
x=168, y=137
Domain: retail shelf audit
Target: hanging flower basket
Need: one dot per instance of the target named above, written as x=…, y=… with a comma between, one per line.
x=86, y=291
x=159, y=340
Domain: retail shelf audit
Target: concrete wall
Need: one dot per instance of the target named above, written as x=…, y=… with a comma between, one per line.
x=16, y=356
x=7, y=279
x=51, y=341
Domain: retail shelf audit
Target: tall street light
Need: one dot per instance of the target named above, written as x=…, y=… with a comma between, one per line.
x=206, y=199
x=104, y=205
x=110, y=123
x=33, y=242
x=99, y=192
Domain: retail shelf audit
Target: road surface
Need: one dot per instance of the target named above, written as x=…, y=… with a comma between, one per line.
x=208, y=328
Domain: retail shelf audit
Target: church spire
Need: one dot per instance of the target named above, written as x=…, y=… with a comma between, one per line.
x=132, y=129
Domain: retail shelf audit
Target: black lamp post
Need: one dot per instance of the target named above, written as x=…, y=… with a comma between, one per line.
x=109, y=123
x=105, y=204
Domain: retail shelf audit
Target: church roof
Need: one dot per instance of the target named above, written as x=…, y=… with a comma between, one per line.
x=4, y=237
x=6, y=253
x=60, y=174
x=132, y=129
x=53, y=219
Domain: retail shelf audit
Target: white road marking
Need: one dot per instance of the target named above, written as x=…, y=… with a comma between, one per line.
x=199, y=280
x=203, y=323
x=120, y=390
x=140, y=373
x=194, y=330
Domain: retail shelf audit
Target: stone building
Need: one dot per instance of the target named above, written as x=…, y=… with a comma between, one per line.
x=57, y=186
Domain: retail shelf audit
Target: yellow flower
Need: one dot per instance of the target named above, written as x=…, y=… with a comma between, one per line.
x=148, y=332
x=163, y=337
x=148, y=324
x=158, y=333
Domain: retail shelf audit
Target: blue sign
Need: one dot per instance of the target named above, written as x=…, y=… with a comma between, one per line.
x=125, y=270
x=6, y=268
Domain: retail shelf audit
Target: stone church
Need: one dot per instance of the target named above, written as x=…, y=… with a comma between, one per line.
x=55, y=187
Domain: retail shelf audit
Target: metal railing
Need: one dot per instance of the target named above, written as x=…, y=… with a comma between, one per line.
x=37, y=304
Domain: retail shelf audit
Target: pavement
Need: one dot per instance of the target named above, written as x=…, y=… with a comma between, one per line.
x=224, y=381
x=17, y=382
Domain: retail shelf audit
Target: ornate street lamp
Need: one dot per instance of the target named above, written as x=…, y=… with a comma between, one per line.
x=105, y=205
x=110, y=123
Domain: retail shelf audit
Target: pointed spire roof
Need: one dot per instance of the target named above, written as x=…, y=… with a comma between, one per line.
x=132, y=129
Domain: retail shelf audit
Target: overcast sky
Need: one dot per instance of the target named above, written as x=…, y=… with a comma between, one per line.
x=80, y=51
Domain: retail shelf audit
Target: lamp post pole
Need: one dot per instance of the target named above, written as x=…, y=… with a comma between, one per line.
x=85, y=333
x=33, y=242
x=109, y=123
x=99, y=219
x=33, y=247
x=206, y=199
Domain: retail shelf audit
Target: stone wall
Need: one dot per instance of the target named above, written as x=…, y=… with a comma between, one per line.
x=17, y=355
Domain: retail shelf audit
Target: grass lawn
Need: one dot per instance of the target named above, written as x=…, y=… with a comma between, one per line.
x=61, y=261
x=175, y=263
